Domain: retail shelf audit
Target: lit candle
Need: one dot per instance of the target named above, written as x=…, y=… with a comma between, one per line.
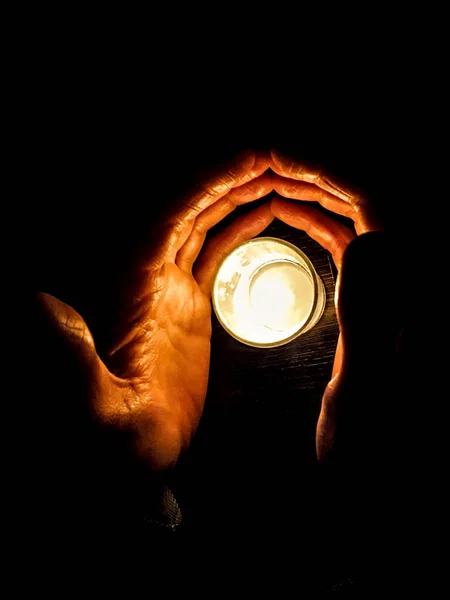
x=267, y=292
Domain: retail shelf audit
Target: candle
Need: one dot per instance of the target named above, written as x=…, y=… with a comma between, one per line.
x=267, y=292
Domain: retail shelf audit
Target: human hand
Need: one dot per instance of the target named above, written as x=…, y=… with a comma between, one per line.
x=367, y=305
x=151, y=385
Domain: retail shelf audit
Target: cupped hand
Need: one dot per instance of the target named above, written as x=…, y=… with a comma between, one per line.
x=367, y=299
x=152, y=382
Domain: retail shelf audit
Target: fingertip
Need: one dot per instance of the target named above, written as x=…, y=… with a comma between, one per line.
x=65, y=319
x=275, y=204
x=284, y=208
x=280, y=156
x=264, y=213
x=51, y=305
x=290, y=212
x=259, y=217
x=244, y=159
x=278, y=181
x=261, y=163
x=275, y=156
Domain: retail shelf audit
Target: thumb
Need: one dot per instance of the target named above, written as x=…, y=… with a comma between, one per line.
x=356, y=404
x=72, y=329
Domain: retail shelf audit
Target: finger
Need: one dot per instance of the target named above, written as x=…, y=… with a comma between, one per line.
x=176, y=226
x=253, y=190
x=244, y=168
x=333, y=236
x=214, y=252
x=338, y=357
x=299, y=190
x=259, y=187
x=360, y=210
x=72, y=328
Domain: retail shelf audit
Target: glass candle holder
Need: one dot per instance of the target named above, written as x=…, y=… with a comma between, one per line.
x=266, y=293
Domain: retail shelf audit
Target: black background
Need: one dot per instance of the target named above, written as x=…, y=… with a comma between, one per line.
x=100, y=151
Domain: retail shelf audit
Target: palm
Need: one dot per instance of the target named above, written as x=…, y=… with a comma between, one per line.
x=164, y=357
x=151, y=387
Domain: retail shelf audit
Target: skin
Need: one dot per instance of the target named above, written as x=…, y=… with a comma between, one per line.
x=153, y=380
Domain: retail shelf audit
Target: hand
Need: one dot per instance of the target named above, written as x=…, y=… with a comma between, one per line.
x=367, y=304
x=152, y=383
